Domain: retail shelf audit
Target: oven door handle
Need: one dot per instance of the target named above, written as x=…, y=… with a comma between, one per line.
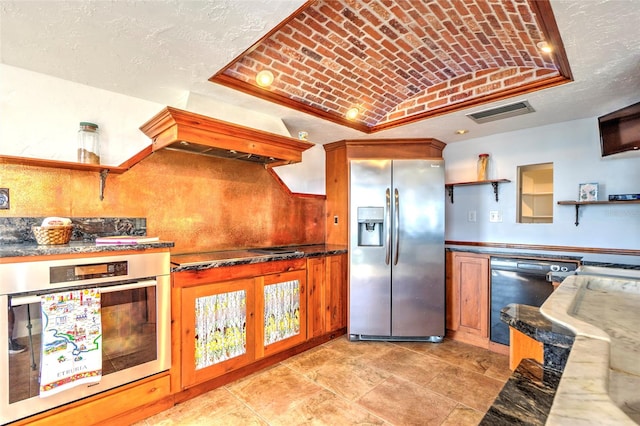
x=24, y=300
x=131, y=286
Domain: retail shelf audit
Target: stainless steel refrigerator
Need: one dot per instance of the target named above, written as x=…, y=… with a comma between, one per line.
x=396, y=250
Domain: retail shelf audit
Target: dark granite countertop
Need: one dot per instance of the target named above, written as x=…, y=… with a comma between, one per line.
x=526, y=398
x=216, y=259
x=73, y=247
x=529, y=320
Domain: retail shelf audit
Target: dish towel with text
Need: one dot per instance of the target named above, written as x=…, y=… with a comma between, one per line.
x=71, y=340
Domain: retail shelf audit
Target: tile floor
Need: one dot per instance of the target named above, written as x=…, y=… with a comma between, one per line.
x=361, y=383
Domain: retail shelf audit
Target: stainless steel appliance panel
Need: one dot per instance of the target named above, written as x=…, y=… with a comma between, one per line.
x=523, y=281
x=136, y=315
x=369, y=289
x=396, y=276
x=417, y=277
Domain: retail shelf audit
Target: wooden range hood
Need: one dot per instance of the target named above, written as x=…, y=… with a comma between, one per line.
x=180, y=130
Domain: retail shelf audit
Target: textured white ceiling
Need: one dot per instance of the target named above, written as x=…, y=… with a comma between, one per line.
x=164, y=50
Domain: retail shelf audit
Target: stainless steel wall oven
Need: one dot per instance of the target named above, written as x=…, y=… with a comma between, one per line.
x=135, y=315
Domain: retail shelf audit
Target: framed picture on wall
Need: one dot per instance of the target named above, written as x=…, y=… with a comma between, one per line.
x=588, y=192
x=4, y=198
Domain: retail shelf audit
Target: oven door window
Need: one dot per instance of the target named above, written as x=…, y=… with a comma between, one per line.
x=129, y=336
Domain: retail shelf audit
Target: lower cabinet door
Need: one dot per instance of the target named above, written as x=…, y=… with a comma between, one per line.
x=282, y=312
x=218, y=329
x=335, y=293
x=315, y=297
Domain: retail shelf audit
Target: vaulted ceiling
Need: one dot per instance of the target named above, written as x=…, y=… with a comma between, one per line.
x=396, y=62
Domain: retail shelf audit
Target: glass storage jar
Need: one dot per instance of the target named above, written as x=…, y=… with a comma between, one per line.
x=88, y=143
x=483, y=166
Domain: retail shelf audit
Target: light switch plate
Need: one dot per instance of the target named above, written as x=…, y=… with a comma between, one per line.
x=495, y=216
x=471, y=216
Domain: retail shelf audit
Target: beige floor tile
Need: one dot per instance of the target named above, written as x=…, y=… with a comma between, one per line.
x=274, y=391
x=404, y=403
x=409, y=365
x=313, y=359
x=466, y=356
x=467, y=387
x=356, y=383
x=240, y=417
x=463, y=416
x=212, y=405
x=348, y=377
x=356, y=349
x=325, y=408
x=498, y=367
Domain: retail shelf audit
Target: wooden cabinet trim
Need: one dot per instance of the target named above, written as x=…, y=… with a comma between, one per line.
x=226, y=273
x=107, y=405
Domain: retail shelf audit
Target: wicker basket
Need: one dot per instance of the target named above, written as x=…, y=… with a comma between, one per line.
x=52, y=234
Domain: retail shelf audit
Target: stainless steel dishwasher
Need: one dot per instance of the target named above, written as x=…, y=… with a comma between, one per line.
x=523, y=281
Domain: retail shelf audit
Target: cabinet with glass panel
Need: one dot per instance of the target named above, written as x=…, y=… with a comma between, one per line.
x=228, y=318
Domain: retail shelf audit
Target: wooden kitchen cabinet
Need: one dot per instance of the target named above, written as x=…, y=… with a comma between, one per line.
x=218, y=329
x=467, y=301
x=224, y=317
x=282, y=312
x=327, y=296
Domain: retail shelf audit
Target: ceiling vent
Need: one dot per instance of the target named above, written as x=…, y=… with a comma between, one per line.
x=504, y=111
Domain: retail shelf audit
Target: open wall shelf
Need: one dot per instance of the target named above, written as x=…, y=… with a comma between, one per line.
x=102, y=169
x=493, y=182
x=577, y=204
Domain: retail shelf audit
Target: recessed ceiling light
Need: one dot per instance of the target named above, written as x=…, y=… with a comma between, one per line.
x=264, y=78
x=461, y=131
x=544, y=47
x=352, y=113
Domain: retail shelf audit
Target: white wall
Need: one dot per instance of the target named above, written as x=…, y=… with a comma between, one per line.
x=39, y=117
x=574, y=149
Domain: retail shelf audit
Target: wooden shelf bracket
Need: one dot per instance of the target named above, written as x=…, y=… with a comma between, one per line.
x=450, y=192
x=495, y=189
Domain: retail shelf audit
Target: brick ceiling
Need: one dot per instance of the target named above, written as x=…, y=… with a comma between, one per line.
x=402, y=61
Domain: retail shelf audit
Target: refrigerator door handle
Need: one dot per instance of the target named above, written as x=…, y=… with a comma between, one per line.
x=387, y=257
x=397, y=227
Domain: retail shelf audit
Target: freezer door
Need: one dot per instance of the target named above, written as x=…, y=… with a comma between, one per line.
x=417, y=302
x=369, y=273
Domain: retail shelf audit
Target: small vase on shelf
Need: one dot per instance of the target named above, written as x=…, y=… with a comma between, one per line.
x=483, y=167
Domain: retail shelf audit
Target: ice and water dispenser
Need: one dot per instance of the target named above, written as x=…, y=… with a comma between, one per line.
x=370, y=226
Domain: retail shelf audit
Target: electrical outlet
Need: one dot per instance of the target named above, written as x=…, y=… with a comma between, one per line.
x=335, y=220
x=471, y=216
x=495, y=216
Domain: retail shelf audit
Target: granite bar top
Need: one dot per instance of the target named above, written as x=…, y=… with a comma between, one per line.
x=216, y=259
x=526, y=398
x=556, y=339
x=529, y=320
x=8, y=251
x=600, y=382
